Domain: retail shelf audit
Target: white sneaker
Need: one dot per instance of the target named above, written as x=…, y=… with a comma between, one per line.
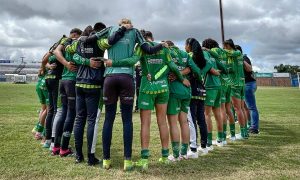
x=224, y=142
x=172, y=158
x=192, y=155
x=214, y=142
x=239, y=137
x=203, y=151
x=232, y=138
x=183, y=157
x=210, y=148
x=219, y=144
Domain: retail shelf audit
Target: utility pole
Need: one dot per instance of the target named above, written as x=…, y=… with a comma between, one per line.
x=221, y=17
x=22, y=59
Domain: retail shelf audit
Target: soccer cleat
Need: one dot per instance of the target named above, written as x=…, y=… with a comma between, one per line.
x=164, y=160
x=51, y=146
x=253, y=131
x=79, y=159
x=192, y=155
x=47, y=144
x=203, y=151
x=65, y=153
x=92, y=161
x=210, y=148
x=38, y=136
x=142, y=163
x=171, y=158
x=128, y=165
x=55, y=151
x=106, y=164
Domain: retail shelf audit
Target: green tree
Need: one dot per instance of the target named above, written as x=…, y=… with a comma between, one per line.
x=293, y=69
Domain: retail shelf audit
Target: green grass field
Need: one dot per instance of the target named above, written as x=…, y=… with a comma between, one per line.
x=273, y=154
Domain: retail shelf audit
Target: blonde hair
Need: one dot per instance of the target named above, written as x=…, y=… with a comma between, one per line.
x=124, y=21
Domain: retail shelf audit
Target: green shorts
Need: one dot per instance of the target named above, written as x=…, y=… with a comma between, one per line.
x=176, y=105
x=148, y=101
x=226, y=94
x=213, y=97
x=43, y=95
x=238, y=92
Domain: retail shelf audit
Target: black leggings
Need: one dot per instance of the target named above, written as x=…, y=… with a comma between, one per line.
x=118, y=86
x=66, y=122
x=197, y=112
x=52, y=86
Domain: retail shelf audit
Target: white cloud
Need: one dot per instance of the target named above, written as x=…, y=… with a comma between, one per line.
x=30, y=27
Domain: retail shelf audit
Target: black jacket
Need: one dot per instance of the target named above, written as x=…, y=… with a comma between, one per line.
x=86, y=74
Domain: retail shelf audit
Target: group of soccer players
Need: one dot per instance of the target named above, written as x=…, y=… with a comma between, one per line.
x=185, y=87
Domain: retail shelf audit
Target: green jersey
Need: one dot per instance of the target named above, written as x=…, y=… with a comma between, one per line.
x=41, y=83
x=211, y=81
x=123, y=49
x=221, y=56
x=183, y=60
x=155, y=69
x=67, y=74
x=236, y=65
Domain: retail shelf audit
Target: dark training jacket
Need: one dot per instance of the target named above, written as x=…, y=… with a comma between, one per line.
x=86, y=74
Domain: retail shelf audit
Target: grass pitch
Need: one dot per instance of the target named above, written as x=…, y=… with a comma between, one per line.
x=273, y=154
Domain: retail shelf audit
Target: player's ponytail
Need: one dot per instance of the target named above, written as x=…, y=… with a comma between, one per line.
x=196, y=49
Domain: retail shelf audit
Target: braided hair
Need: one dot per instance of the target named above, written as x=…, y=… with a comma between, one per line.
x=198, y=56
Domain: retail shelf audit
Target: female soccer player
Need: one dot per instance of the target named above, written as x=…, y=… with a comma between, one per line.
x=178, y=104
x=213, y=96
x=221, y=55
x=236, y=76
x=42, y=93
x=196, y=114
x=154, y=92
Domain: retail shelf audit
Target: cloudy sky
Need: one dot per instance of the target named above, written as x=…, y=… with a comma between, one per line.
x=267, y=30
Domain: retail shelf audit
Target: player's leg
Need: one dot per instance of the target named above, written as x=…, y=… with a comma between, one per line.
x=172, y=113
x=126, y=104
x=70, y=118
x=237, y=104
x=110, y=97
x=79, y=124
x=184, y=127
x=145, y=104
x=202, y=126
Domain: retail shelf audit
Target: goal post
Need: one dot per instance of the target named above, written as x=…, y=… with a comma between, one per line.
x=298, y=76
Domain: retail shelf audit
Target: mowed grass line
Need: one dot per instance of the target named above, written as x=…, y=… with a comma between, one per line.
x=274, y=154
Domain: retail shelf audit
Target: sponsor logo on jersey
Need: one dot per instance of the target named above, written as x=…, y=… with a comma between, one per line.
x=145, y=103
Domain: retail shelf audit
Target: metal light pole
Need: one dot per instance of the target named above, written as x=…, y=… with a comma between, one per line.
x=221, y=17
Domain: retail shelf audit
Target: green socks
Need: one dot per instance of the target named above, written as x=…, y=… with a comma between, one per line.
x=232, y=129
x=40, y=127
x=184, y=148
x=175, y=148
x=220, y=136
x=209, y=139
x=243, y=132
x=145, y=153
x=165, y=153
x=224, y=131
